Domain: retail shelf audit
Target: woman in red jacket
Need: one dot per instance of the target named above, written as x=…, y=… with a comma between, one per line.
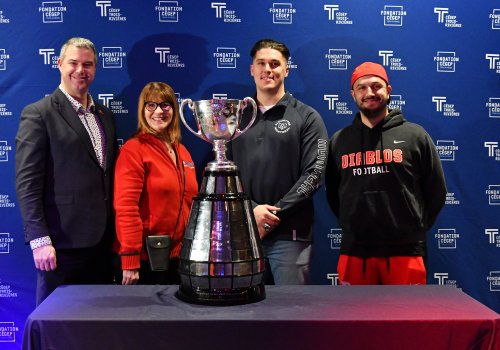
x=155, y=182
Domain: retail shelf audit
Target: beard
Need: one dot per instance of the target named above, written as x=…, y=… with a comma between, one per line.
x=374, y=113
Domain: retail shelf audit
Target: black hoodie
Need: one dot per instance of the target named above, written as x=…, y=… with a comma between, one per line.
x=385, y=185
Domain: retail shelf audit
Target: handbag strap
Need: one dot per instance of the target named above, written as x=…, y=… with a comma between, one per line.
x=182, y=196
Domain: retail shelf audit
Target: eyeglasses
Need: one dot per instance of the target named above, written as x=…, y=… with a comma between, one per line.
x=152, y=106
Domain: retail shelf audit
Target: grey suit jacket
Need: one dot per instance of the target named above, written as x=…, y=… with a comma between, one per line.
x=62, y=191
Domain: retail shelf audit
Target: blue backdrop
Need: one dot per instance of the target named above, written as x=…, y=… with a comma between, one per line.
x=443, y=61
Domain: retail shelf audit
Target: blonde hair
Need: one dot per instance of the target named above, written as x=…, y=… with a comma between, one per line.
x=165, y=92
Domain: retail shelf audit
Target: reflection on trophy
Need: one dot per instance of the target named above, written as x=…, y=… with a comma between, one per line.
x=221, y=261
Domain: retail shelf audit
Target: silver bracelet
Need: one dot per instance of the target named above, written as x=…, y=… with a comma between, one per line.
x=40, y=242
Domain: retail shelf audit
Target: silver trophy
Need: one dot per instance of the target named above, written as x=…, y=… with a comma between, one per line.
x=221, y=260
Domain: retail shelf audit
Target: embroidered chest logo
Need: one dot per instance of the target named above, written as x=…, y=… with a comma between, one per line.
x=282, y=126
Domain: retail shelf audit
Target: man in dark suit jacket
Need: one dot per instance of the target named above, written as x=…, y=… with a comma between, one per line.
x=65, y=154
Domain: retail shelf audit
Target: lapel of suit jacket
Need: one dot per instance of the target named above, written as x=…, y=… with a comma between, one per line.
x=71, y=117
x=106, y=119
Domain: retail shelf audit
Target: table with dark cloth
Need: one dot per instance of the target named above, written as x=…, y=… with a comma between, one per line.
x=291, y=317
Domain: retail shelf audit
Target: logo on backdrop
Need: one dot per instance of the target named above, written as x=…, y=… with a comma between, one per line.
x=163, y=52
x=444, y=17
x=393, y=15
x=335, y=237
x=291, y=64
x=116, y=106
x=112, y=57
x=393, y=63
x=112, y=13
x=3, y=59
x=219, y=96
x=168, y=11
x=229, y=16
x=226, y=57
x=8, y=331
x=282, y=13
x=447, y=238
x=446, y=61
x=493, y=193
x=495, y=19
x=3, y=18
x=447, y=109
x=178, y=98
x=337, y=59
x=4, y=151
x=334, y=278
x=105, y=99
x=443, y=279
x=4, y=111
x=493, y=149
x=49, y=57
x=52, y=11
x=493, y=236
x=397, y=101
x=334, y=14
x=169, y=59
x=446, y=150
x=494, y=279
x=5, y=201
x=451, y=199
x=494, y=61
x=334, y=104
x=6, y=291
x=493, y=105
x=5, y=241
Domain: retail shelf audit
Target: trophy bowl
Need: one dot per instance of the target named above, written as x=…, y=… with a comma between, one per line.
x=218, y=122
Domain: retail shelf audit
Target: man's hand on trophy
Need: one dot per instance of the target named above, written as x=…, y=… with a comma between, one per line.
x=266, y=219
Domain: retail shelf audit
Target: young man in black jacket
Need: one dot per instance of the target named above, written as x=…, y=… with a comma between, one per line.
x=282, y=160
x=385, y=184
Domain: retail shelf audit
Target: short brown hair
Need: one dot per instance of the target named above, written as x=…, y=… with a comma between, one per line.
x=270, y=44
x=80, y=43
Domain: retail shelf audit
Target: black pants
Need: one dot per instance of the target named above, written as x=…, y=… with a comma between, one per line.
x=77, y=266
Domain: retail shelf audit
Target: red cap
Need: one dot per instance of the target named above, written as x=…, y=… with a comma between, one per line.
x=369, y=68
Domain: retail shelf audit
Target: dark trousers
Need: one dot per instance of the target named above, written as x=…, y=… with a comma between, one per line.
x=76, y=266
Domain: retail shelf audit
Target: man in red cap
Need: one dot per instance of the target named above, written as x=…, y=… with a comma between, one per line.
x=385, y=183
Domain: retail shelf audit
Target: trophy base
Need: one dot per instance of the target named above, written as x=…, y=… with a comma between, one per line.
x=222, y=297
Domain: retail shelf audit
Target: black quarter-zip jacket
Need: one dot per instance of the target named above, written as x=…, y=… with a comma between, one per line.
x=282, y=159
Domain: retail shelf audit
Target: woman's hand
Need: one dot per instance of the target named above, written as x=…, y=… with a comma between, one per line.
x=130, y=276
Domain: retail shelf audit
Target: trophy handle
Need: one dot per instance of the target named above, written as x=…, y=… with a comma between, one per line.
x=246, y=100
x=189, y=102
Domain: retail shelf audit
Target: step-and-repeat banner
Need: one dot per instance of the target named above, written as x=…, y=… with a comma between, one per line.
x=443, y=61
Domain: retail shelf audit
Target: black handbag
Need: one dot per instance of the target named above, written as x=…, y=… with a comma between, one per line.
x=158, y=248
